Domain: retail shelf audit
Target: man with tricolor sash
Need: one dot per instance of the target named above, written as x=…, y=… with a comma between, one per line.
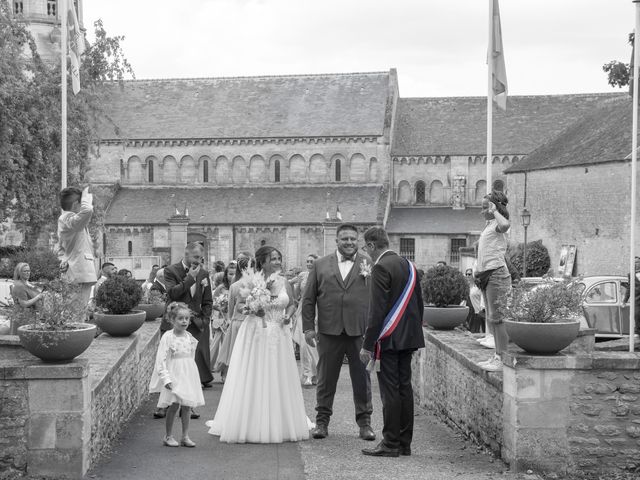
x=394, y=332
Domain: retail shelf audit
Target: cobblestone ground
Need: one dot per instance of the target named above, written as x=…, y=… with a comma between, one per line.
x=438, y=452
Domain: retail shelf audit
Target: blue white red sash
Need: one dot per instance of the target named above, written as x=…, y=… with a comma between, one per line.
x=394, y=316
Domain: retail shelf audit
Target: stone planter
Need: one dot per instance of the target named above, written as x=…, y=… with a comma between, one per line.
x=58, y=345
x=121, y=325
x=542, y=338
x=154, y=310
x=444, y=318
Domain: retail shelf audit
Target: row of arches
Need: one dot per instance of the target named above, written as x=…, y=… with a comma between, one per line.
x=224, y=170
x=437, y=194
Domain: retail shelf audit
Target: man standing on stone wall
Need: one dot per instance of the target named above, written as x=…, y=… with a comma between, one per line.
x=75, y=248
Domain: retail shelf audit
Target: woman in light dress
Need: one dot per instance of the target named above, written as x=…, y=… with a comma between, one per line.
x=262, y=399
x=219, y=323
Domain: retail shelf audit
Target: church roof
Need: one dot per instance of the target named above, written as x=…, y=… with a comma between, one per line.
x=458, y=125
x=305, y=205
x=602, y=136
x=351, y=104
x=434, y=220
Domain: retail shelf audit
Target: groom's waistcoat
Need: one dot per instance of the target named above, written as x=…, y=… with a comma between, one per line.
x=341, y=304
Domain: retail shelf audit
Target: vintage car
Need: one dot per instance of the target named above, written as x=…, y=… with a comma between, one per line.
x=604, y=305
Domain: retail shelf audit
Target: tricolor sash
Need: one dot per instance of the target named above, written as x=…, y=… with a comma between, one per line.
x=392, y=320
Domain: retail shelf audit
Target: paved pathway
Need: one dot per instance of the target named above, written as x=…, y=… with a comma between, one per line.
x=439, y=453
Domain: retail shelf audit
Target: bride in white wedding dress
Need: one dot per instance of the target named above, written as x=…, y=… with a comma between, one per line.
x=262, y=400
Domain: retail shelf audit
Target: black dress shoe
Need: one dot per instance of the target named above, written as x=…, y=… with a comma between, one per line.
x=366, y=433
x=405, y=451
x=207, y=385
x=381, y=450
x=194, y=414
x=160, y=413
x=320, y=431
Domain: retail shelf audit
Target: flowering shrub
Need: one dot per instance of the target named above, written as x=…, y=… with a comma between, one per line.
x=154, y=297
x=118, y=295
x=444, y=285
x=548, y=302
x=61, y=305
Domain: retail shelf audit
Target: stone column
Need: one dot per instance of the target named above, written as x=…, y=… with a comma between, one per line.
x=225, y=243
x=329, y=228
x=292, y=247
x=178, y=235
x=59, y=427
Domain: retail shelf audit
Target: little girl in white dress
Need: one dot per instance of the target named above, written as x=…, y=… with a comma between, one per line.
x=175, y=375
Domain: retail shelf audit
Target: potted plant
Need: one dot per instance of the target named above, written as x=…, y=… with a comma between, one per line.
x=543, y=319
x=153, y=302
x=444, y=289
x=55, y=331
x=115, y=301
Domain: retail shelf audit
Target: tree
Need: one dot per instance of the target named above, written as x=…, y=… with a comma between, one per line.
x=30, y=125
x=618, y=73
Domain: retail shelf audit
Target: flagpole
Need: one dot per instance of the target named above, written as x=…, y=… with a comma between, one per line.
x=634, y=173
x=63, y=70
x=490, y=97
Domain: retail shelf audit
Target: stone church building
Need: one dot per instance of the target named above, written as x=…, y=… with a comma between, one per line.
x=240, y=162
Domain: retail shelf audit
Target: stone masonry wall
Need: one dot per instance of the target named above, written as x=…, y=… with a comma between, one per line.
x=14, y=414
x=448, y=381
x=604, y=431
x=599, y=227
x=120, y=386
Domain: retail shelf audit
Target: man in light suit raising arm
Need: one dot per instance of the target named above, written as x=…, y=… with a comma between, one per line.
x=75, y=248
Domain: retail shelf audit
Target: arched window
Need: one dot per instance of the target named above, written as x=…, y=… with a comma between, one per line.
x=130, y=247
x=338, y=170
x=420, y=192
x=276, y=171
x=51, y=7
x=205, y=171
x=498, y=185
x=150, y=169
x=18, y=8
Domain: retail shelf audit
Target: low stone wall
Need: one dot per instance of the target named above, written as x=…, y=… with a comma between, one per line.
x=56, y=419
x=572, y=414
x=575, y=412
x=120, y=372
x=448, y=381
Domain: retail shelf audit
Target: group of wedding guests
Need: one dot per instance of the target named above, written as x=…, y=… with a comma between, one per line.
x=364, y=305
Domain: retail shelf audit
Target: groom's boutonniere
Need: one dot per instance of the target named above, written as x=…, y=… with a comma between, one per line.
x=365, y=271
x=204, y=283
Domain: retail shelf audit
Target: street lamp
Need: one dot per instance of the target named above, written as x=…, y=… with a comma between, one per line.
x=526, y=220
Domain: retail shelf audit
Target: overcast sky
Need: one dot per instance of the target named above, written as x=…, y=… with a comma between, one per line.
x=438, y=46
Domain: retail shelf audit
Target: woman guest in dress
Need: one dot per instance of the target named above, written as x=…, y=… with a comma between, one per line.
x=492, y=275
x=24, y=293
x=175, y=374
x=308, y=354
x=237, y=293
x=262, y=400
x=219, y=322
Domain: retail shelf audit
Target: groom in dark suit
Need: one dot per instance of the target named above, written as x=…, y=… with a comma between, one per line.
x=395, y=288
x=338, y=285
x=187, y=281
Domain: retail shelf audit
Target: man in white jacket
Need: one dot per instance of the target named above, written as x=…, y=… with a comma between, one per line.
x=75, y=248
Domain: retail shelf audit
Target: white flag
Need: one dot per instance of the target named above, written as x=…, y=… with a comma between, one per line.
x=500, y=88
x=76, y=46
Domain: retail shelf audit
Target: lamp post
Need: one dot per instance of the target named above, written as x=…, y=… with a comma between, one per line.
x=526, y=220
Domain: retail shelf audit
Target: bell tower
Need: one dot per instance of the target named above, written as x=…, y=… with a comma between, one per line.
x=43, y=18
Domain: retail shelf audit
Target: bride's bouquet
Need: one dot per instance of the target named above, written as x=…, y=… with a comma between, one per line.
x=259, y=297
